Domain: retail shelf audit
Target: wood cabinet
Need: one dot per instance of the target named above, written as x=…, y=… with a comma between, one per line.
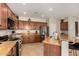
x=21, y=24
x=26, y=25
x=5, y=13
x=31, y=25
x=13, y=17
x=16, y=24
x=3, y=16
x=31, y=38
x=52, y=50
x=9, y=13
x=64, y=26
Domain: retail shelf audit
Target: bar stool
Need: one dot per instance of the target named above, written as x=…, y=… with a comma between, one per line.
x=73, y=48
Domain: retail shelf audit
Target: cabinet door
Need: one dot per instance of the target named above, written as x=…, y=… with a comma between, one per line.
x=21, y=25
x=16, y=24
x=14, y=17
x=64, y=26
x=37, y=38
x=9, y=13
x=0, y=14
x=26, y=25
x=54, y=50
x=32, y=26
x=3, y=15
x=46, y=50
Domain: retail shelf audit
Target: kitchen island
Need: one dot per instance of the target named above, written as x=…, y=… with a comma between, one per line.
x=7, y=48
x=52, y=47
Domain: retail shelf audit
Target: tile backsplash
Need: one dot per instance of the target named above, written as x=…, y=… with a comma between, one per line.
x=8, y=32
x=5, y=32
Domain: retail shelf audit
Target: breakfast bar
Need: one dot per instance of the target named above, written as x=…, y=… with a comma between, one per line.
x=52, y=47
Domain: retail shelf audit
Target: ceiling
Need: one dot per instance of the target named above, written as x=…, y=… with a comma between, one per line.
x=41, y=10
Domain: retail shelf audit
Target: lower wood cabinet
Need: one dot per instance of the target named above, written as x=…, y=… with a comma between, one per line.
x=31, y=38
x=52, y=50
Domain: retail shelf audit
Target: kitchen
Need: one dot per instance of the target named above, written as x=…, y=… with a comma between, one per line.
x=25, y=30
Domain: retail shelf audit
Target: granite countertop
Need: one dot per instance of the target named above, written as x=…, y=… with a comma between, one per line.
x=6, y=47
x=52, y=41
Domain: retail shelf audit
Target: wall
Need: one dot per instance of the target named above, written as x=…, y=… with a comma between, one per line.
x=53, y=25
x=71, y=26
x=32, y=19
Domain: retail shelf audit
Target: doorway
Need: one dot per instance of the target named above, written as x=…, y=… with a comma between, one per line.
x=76, y=28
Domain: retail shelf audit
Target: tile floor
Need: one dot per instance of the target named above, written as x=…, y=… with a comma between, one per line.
x=36, y=49
x=33, y=49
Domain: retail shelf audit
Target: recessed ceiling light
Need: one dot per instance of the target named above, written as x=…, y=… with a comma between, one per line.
x=24, y=13
x=23, y=3
x=50, y=9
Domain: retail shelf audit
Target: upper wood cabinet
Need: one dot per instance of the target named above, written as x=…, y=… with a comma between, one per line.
x=31, y=25
x=3, y=16
x=26, y=25
x=16, y=24
x=9, y=13
x=5, y=13
x=64, y=26
x=21, y=24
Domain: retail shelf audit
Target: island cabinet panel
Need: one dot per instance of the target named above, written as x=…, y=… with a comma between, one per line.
x=46, y=52
x=52, y=50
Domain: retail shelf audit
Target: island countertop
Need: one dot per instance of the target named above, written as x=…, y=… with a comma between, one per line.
x=5, y=47
x=52, y=41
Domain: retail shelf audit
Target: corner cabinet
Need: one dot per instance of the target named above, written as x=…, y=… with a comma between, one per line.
x=3, y=16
